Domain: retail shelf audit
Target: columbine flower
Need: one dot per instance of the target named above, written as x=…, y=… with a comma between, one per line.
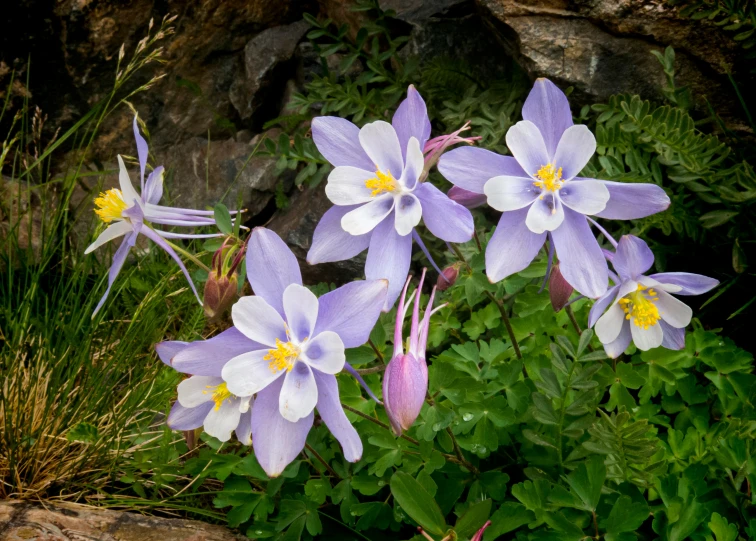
x=204, y=400
x=130, y=214
x=540, y=194
x=378, y=189
x=405, y=382
x=640, y=308
x=285, y=347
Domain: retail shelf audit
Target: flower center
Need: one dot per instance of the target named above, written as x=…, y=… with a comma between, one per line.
x=549, y=178
x=640, y=308
x=283, y=357
x=381, y=183
x=220, y=393
x=110, y=205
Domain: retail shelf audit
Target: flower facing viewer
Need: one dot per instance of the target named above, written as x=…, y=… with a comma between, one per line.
x=379, y=195
x=285, y=348
x=640, y=308
x=541, y=195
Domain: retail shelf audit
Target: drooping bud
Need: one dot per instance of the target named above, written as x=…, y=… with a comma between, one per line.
x=466, y=198
x=447, y=277
x=220, y=294
x=222, y=286
x=405, y=382
x=559, y=290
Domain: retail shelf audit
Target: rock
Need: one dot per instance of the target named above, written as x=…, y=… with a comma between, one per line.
x=603, y=47
x=201, y=174
x=418, y=12
x=265, y=57
x=25, y=521
x=295, y=226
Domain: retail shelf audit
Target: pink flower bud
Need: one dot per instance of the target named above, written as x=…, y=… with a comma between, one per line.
x=466, y=198
x=559, y=290
x=447, y=277
x=479, y=534
x=405, y=382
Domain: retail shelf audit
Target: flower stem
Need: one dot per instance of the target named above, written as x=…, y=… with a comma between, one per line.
x=499, y=304
x=573, y=319
x=376, y=350
x=191, y=257
x=323, y=461
x=367, y=371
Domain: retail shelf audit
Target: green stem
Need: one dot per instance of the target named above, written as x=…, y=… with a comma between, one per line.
x=323, y=461
x=191, y=257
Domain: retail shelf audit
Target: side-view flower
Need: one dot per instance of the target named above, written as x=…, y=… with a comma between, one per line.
x=130, y=213
x=379, y=193
x=405, y=382
x=640, y=308
x=541, y=195
x=285, y=347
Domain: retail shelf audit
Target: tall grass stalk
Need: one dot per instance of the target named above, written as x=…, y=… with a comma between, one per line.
x=76, y=392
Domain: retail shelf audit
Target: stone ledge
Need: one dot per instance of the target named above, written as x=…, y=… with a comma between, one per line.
x=61, y=521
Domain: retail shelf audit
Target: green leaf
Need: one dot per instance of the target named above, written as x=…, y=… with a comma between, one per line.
x=585, y=486
x=417, y=503
x=625, y=516
x=473, y=519
x=722, y=530
x=507, y=518
x=83, y=432
x=223, y=219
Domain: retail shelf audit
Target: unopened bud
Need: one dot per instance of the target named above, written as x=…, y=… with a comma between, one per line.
x=559, y=290
x=479, y=534
x=466, y=198
x=220, y=294
x=447, y=277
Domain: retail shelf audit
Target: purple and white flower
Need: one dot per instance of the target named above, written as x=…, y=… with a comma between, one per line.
x=541, y=195
x=205, y=401
x=640, y=308
x=285, y=347
x=130, y=213
x=379, y=193
x=405, y=382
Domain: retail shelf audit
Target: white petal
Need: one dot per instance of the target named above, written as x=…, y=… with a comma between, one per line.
x=414, y=165
x=223, y=420
x=585, y=196
x=129, y=193
x=197, y=390
x=408, y=213
x=575, y=148
x=364, y=219
x=510, y=193
x=113, y=231
x=609, y=325
x=299, y=393
x=346, y=186
x=381, y=144
x=325, y=352
x=545, y=214
x=675, y=312
x=526, y=144
x=646, y=339
x=258, y=320
x=249, y=373
x=301, y=309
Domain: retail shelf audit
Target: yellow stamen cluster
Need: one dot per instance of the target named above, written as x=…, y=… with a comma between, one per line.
x=639, y=307
x=283, y=357
x=381, y=183
x=550, y=178
x=110, y=205
x=220, y=393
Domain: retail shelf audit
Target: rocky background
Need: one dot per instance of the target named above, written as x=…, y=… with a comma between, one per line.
x=232, y=65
